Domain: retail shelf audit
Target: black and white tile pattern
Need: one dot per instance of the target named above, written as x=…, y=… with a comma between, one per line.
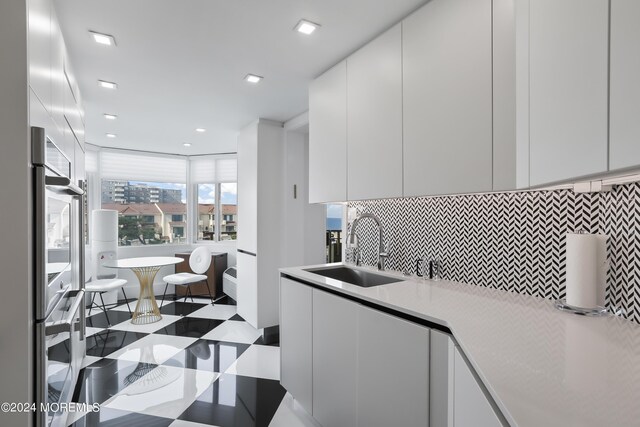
x=511, y=241
x=201, y=365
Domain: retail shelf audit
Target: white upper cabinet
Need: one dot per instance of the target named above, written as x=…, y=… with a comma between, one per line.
x=328, y=136
x=447, y=97
x=568, y=88
x=374, y=118
x=40, y=50
x=624, y=95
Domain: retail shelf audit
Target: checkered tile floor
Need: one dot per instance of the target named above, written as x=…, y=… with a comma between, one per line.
x=201, y=365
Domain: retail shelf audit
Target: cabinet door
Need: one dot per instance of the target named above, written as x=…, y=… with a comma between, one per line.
x=328, y=136
x=374, y=118
x=295, y=341
x=441, y=382
x=334, y=360
x=447, y=98
x=248, y=288
x=58, y=80
x=393, y=371
x=40, y=50
x=625, y=84
x=471, y=406
x=248, y=189
x=568, y=88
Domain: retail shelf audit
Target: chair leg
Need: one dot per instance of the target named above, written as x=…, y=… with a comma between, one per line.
x=186, y=294
x=164, y=295
x=189, y=292
x=126, y=300
x=104, y=308
x=91, y=306
x=209, y=289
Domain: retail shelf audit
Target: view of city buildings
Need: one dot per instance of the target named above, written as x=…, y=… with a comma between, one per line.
x=151, y=214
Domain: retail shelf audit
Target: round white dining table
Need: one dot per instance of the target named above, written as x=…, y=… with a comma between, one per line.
x=145, y=269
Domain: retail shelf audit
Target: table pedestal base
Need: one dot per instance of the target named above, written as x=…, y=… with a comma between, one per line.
x=146, y=310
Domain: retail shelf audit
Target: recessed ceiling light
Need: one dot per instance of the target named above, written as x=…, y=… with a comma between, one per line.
x=110, y=116
x=104, y=39
x=252, y=78
x=201, y=130
x=111, y=135
x=186, y=144
x=306, y=27
x=107, y=85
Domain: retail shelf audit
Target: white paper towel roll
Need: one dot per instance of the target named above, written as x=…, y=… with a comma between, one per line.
x=104, y=225
x=586, y=269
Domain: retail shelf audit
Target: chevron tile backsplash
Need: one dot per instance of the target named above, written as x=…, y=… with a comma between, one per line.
x=511, y=241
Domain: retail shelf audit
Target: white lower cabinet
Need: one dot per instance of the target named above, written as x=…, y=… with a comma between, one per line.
x=295, y=341
x=393, y=371
x=471, y=406
x=441, y=381
x=335, y=338
x=348, y=364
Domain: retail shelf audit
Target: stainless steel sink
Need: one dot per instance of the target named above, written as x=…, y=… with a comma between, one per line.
x=352, y=276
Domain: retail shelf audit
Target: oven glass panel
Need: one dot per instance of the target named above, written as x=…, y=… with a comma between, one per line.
x=56, y=161
x=58, y=223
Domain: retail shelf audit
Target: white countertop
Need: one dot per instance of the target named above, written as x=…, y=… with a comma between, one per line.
x=542, y=366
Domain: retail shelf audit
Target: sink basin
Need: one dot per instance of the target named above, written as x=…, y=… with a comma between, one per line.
x=361, y=278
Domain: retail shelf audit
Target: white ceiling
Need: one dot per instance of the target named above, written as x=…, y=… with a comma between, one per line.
x=180, y=64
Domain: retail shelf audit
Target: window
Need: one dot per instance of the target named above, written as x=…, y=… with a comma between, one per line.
x=334, y=232
x=229, y=210
x=214, y=180
x=150, y=194
x=206, y=211
x=149, y=191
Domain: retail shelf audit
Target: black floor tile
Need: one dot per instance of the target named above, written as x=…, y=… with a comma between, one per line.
x=190, y=327
x=236, y=317
x=106, y=377
x=59, y=352
x=99, y=320
x=226, y=300
x=180, y=308
x=107, y=417
x=236, y=401
x=260, y=341
x=207, y=355
x=106, y=342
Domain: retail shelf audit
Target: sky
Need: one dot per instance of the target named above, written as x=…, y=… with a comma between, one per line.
x=206, y=192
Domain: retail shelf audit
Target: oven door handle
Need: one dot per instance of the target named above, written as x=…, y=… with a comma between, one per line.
x=65, y=325
x=62, y=185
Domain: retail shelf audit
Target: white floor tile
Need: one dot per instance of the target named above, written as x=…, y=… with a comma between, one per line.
x=196, y=300
x=291, y=414
x=183, y=423
x=234, y=331
x=148, y=328
x=123, y=307
x=88, y=360
x=92, y=331
x=220, y=312
x=166, y=391
x=154, y=348
x=260, y=361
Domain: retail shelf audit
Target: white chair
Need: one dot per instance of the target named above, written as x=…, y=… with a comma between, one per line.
x=199, y=261
x=99, y=287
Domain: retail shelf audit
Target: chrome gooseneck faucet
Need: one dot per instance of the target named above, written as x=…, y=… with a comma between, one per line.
x=382, y=254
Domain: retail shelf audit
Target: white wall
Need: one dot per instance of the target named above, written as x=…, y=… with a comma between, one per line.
x=305, y=223
x=16, y=324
